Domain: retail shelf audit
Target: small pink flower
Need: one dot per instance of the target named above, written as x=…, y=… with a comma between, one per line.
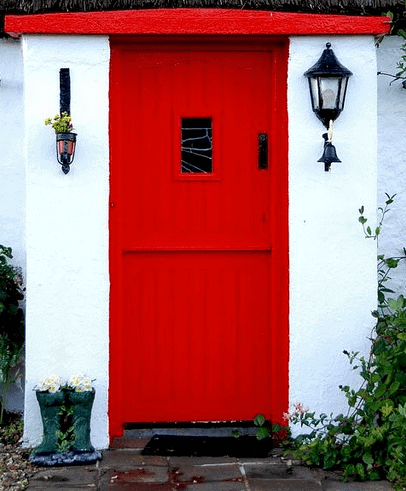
x=286, y=416
x=299, y=407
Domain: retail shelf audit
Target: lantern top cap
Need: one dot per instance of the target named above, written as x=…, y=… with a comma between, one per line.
x=328, y=66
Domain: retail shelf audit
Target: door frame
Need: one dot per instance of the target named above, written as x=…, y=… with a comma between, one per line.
x=279, y=202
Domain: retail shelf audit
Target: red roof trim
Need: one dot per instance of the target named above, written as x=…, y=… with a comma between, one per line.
x=194, y=21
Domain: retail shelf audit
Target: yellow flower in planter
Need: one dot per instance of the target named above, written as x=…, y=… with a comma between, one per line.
x=60, y=123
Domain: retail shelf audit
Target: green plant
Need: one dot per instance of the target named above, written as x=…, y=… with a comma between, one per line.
x=369, y=441
x=261, y=429
x=264, y=429
x=11, y=323
x=65, y=434
x=60, y=123
x=385, y=265
x=12, y=430
x=401, y=65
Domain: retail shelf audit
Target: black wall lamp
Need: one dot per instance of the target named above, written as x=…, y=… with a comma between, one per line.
x=328, y=80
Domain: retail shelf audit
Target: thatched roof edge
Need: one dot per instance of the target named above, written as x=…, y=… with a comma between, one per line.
x=344, y=7
x=320, y=6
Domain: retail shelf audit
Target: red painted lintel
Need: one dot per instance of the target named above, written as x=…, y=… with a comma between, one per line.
x=195, y=22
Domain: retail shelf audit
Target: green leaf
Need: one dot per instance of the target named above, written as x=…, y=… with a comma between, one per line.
x=386, y=409
x=368, y=459
x=394, y=387
x=391, y=262
x=396, y=304
x=369, y=232
x=360, y=470
x=401, y=33
x=374, y=476
x=380, y=391
x=259, y=420
x=262, y=433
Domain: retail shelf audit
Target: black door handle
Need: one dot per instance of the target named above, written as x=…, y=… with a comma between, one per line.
x=262, y=151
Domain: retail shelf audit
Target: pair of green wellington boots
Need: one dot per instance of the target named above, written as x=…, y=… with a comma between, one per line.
x=50, y=406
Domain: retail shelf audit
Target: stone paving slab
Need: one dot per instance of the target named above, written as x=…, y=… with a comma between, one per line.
x=51, y=487
x=65, y=477
x=203, y=473
x=357, y=486
x=283, y=485
x=267, y=471
x=135, y=487
x=281, y=471
x=129, y=458
x=215, y=486
x=178, y=461
x=147, y=474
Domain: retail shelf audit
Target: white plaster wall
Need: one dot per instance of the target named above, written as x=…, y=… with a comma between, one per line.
x=67, y=223
x=332, y=266
x=392, y=157
x=12, y=172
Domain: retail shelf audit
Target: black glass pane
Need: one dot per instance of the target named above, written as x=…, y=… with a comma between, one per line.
x=197, y=150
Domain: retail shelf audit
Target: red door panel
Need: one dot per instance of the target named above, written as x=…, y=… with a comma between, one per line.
x=199, y=237
x=195, y=355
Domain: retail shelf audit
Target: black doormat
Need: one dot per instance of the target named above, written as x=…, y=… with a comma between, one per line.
x=198, y=446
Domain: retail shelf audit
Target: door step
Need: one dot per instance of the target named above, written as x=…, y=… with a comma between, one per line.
x=135, y=430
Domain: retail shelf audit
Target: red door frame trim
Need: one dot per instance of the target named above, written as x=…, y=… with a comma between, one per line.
x=195, y=21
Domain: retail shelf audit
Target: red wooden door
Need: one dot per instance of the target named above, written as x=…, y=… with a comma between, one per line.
x=198, y=233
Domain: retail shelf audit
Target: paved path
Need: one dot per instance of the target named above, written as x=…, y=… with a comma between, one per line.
x=125, y=469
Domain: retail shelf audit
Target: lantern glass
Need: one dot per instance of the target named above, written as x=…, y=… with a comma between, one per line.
x=343, y=92
x=314, y=93
x=328, y=80
x=329, y=90
x=328, y=96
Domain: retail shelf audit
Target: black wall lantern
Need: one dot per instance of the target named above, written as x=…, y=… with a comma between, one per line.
x=328, y=80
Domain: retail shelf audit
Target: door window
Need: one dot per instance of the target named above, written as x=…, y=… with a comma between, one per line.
x=196, y=146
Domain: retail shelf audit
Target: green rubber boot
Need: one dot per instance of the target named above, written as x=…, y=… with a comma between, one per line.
x=50, y=405
x=82, y=403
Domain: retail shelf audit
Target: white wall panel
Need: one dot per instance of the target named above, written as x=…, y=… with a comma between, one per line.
x=67, y=223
